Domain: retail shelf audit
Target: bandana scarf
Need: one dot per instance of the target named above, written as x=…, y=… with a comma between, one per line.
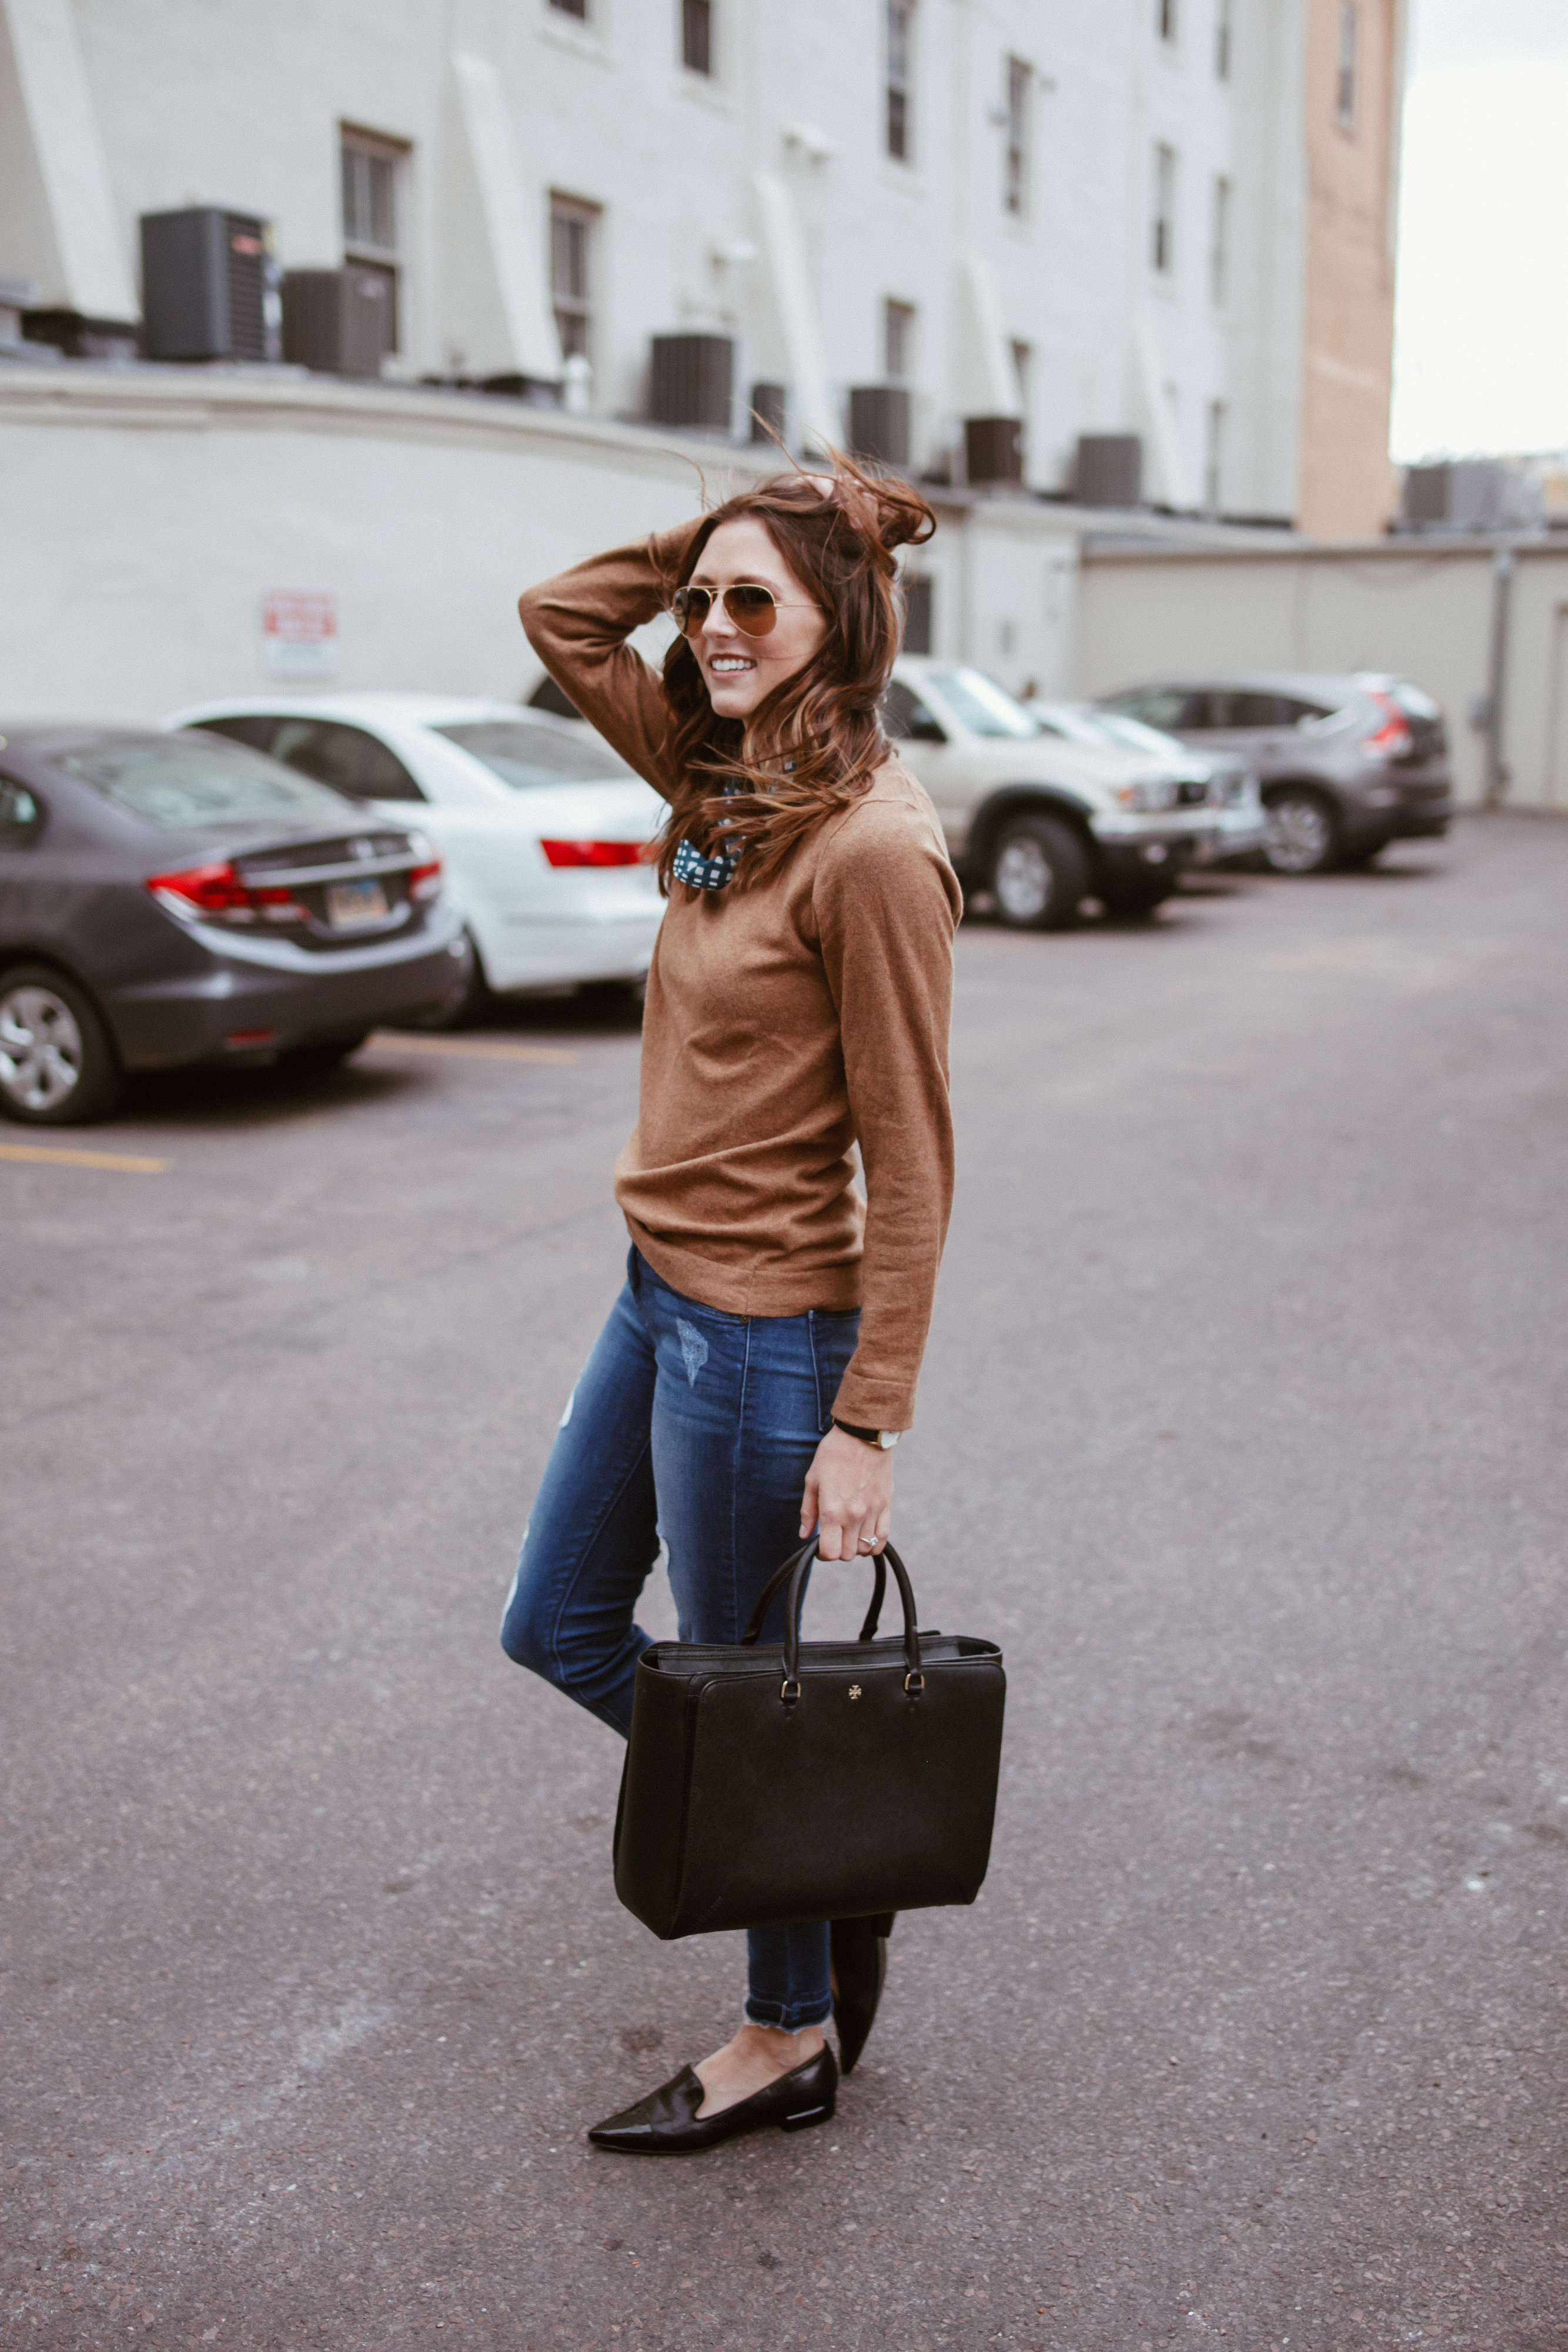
x=702, y=873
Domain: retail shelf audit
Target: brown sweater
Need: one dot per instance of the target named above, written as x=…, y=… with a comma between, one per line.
x=784, y=1025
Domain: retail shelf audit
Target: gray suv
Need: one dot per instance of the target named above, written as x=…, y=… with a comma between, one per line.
x=1346, y=764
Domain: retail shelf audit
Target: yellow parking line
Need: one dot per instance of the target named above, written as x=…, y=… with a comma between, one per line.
x=120, y=1163
x=485, y=1049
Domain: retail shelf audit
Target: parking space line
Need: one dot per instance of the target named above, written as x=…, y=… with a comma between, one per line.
x=118, y=1163
x=484, y=1049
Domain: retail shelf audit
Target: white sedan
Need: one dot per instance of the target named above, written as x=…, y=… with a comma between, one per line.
x=542, y=827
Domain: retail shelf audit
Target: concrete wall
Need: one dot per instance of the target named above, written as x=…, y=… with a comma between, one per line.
x=1425, y=613
x=148, y=512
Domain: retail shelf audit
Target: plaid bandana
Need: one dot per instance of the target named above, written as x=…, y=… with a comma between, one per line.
x=702, y=873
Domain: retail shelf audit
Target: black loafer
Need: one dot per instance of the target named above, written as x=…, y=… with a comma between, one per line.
x=666, y=2122
x=860, y=1970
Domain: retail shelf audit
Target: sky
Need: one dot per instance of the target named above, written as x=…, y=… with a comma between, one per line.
x=1481, y=346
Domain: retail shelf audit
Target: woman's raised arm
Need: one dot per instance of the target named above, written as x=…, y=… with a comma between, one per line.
x=579, y=623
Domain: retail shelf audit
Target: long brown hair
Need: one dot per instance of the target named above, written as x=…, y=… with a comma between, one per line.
x=837, y=535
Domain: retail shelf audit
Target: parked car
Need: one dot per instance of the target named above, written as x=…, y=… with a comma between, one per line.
x=169, y=899
x=542, y=824
x=1041, y=823
x=1345, y=764
x=1241, y=824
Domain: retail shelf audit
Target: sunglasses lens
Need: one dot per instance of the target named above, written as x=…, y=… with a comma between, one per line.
x=691, y=607
x=751, y=609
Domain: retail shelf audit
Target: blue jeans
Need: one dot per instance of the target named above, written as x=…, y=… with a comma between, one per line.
x=697, y=1428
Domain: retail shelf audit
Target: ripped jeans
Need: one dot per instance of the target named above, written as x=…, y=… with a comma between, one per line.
x=698, y=1428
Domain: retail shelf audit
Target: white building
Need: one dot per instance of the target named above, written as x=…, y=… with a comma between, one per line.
x=1166, y=220
x=1106, y=219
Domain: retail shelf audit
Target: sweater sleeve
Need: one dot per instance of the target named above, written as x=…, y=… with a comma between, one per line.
x=579, y=623
x=887, y=904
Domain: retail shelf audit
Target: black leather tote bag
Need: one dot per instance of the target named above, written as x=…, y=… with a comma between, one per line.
x=768, y=1783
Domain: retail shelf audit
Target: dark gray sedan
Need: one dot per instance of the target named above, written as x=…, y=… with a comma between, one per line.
x=1345, y=764
x=176, y=898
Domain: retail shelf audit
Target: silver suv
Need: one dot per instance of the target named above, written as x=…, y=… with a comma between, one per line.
x=1346, y=764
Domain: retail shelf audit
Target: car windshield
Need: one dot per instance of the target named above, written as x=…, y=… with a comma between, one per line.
x=526, y=756
x=189, y=782
x=1072, y=726
x=978, y=705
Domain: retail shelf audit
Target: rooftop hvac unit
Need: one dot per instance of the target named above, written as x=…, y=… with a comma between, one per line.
x=879, y=422
x=209, y=286
x=1463, y=494
x=692, y=381
x=1110, y=471
x=340, y=321
x=767, y=411
x=993, y=448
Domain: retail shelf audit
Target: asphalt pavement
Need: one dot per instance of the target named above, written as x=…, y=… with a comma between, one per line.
x=1241, y=1429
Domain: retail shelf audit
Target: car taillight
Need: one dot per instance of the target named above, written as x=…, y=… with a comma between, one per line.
x=217, y=893
x=1392, y=739
x=425, y=881
x=593, y=853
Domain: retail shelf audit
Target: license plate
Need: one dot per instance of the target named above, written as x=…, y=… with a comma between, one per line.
x=355, y=906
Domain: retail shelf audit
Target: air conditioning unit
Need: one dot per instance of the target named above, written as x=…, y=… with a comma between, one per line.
x=1463, y=494
x=767, y=411
x=340, y=321
x=993, y=448
x=692, y=381
x=209, y=286
x=1110, y=469
x=879, y=422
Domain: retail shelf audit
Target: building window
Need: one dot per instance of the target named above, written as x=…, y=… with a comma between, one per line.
x=571, y=234
x=372, y=168
x=1015, y=183
x=898, y=342
x=1213, y=448
x=900, y=77
x=1163, y=242
x=577, y=8
x=1344, y=67
x=1219, y=245
x=1222, y=40
x=696, y=36
x=1167, y=19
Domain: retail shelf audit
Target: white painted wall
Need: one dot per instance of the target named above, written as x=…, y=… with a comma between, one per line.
x=1423, y=612
x=158, y=507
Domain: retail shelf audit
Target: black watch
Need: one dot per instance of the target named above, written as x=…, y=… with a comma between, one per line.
x=884, y=1438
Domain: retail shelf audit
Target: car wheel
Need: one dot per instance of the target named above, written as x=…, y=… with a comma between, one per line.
x=1039, y=874
x=1303, y=837
x=469, y=1001
x=57, y=1067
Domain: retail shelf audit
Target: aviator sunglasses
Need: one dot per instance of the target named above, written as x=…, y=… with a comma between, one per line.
x=753, y=608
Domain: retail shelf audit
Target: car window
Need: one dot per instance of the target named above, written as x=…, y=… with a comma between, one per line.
x=1229, y=710
x=984, y=708
x=1137, y=736
x=346, y=758
x=1169, y=707
x=527, y=757
x=194, y=781
x=21, y=815
x=1295, y=712
x=255, y=728
x=906, y=719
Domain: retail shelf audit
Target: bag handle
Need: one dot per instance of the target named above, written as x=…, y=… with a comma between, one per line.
x=795, y=1570
x=770, y=1591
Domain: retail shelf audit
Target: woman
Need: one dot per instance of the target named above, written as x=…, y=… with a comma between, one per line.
x=761, y=1360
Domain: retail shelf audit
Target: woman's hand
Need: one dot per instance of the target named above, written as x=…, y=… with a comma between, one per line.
x=848, y=1498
